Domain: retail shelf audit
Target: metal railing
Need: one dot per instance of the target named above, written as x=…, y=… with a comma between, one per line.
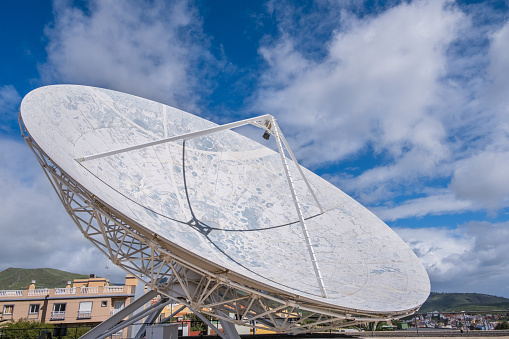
x=84, y=314
x=58, y=315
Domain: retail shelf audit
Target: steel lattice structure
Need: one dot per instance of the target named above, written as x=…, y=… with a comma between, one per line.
x=167, y=271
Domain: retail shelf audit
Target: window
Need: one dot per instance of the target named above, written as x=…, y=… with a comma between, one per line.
x=117, y=306
x=104, y=303
x=8, y=309
x=34, y=309
x=85, y=310
x=58, y=312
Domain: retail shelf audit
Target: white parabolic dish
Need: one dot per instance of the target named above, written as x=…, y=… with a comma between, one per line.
x=223, y=200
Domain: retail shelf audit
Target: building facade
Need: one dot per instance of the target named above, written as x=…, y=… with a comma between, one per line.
x=87, y=302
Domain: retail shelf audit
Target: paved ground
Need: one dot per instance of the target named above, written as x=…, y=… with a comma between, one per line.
x=435, y=333
x=427, y=333
x=448, y=337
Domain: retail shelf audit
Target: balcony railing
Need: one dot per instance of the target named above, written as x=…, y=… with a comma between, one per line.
x=38, y=292
x=58, y=315
x=11, y=293
x=84, y=314
x=113, y=289
x=65, y=290
x=89, y=290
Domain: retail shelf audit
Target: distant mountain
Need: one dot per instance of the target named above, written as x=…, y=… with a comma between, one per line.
x=20, y=278
x=450, y=302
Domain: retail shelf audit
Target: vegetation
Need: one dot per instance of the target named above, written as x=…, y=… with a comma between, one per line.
x=196, y=323
x=28, y=329
x=20, y=278
x=504, y=325
x=449, y=302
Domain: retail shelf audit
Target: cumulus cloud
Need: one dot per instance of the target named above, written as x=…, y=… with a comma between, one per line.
x=499, y=64
x=36, y=230
x=404, y=87
x=483, y=179
x=469, y=258
x=376, y=88
x=148, y=48
x=377, y=84
x=481, y=176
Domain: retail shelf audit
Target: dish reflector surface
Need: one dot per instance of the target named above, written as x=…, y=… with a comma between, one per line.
x=224, y=199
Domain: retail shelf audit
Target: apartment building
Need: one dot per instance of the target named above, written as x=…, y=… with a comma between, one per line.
x=84, y=302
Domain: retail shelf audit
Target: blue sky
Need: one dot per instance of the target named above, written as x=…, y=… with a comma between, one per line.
x=401, y=104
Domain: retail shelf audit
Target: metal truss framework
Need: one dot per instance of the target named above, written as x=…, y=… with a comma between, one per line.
x=143, y=254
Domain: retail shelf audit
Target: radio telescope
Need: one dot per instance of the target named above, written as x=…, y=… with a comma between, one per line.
x=214, y=220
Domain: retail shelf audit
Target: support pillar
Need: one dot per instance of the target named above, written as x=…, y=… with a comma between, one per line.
x=112, y=321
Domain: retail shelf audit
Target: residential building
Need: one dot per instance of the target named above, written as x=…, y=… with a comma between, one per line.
x=86, y=302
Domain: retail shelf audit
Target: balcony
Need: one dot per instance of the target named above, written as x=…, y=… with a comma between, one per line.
x=11, y=293
x=58, y=315
x=84, y=314
x=38, y=292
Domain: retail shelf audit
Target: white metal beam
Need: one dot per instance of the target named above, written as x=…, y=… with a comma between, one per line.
x=116, y=318
x=186, y=136
x=309, y=246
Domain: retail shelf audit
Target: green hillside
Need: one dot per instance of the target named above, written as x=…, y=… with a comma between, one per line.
x=20, y=278
x=464, y=302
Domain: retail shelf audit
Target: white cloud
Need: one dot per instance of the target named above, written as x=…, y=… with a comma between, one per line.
x=439, y=203
x=482, y=176
x=497, y=70
x=483, y=179
x=377, y=87
x=150, y=49
x=9, y=100
x=36, y=230
x=377, y=84
x=470, y=258
x=402, y=86
x=9, y=97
